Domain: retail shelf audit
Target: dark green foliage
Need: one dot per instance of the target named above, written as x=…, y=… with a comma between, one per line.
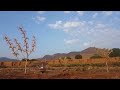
x=29, y=60
x=95, y=56
x=25, y=59
x=78, y=56
x=115, y=52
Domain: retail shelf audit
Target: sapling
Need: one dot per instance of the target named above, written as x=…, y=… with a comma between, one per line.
x=18, y=49
x=104, y=53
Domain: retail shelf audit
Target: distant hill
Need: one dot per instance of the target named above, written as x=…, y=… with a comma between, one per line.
x=7, y=59
x=85, y=53
x=90, y=50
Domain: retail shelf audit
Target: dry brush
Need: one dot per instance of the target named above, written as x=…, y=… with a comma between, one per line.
x=105, y=54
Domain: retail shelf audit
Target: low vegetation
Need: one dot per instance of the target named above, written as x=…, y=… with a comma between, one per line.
x=104, y=63
x=95, y=56
x=96, y=68
x=78, y=57
x=115, y=52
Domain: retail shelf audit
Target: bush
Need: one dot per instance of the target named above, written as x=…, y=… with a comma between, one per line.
x=115, y=52
x=33, y=60
x=78, y=56
x=25, y=59
x=95, y=56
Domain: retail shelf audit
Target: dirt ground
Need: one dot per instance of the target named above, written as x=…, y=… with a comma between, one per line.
x=58, y=73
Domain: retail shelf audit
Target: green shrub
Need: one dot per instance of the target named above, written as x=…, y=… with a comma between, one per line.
x=115, y=52
x=33, y=60
x=78, y=56
x=25, y=59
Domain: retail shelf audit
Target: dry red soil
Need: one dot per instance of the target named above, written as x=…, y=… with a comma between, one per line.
x=60, y=74
x=65, y=69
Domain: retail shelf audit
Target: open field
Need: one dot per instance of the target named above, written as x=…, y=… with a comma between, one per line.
x=66, y=69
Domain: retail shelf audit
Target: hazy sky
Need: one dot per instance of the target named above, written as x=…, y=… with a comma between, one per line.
x=61, y=31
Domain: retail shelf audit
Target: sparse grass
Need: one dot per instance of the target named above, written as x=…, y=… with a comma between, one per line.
x=74, y=69
x=2, y=66
x=115, y=64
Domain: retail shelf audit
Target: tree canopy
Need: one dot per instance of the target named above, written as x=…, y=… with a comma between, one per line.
x=78, y=56
x=115, y=52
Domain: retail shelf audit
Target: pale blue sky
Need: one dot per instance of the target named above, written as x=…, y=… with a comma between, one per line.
x=61, y=31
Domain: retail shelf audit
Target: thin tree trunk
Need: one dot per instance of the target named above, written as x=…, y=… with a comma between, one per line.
x=107, y=66
x=26, y=64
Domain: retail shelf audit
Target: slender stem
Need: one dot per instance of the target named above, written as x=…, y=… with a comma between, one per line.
x=107, y=66
x=26, y=64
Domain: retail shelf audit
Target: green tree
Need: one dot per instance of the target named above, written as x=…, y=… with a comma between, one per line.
x=115, y=52
x=78, y=56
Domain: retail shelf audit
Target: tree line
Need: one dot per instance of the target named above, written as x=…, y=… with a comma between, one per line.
x=115, y=53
